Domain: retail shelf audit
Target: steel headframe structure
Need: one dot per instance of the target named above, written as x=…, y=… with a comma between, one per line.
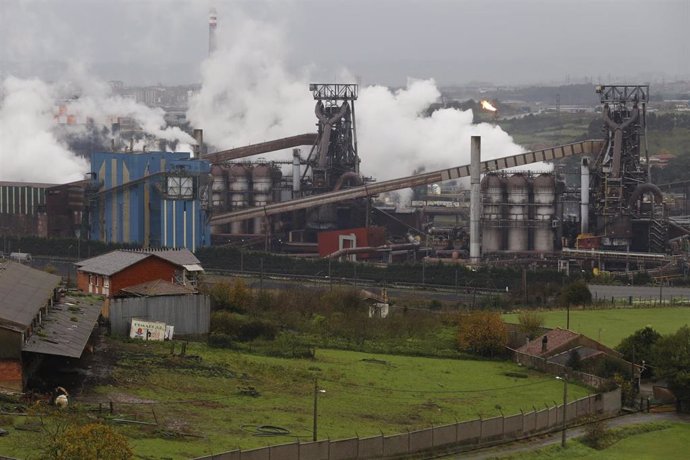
x=619, y=178
x=335, y=150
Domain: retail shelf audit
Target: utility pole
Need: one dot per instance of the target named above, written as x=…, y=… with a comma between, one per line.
x=316, y=402
x=565, y=405
x=330, y=278
x=316, y=412
x=261, y=278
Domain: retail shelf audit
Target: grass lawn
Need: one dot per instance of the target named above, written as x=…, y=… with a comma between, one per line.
x=668, y=443
x=364, y=393
x=613, y=325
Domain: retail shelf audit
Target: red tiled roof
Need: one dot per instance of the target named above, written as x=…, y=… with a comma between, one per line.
x=556, y=338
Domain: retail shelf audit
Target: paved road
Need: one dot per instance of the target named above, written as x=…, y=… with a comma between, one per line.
x=643, y=292
x=539, y=442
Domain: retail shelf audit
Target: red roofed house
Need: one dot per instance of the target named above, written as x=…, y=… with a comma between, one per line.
x=556, y=346
x=110, y=273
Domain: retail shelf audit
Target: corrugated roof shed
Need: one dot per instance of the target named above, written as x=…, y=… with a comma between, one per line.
x=23, y=291
x=112, y=262
x=66, y=328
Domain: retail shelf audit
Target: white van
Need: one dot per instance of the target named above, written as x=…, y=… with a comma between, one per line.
x=21, y=257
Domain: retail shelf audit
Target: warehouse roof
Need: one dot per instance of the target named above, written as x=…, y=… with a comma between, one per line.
x=111, y=263
x=23, y=291
x=116, y=261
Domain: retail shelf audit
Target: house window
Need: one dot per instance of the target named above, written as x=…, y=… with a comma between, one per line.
x=106, y=283
x=91, y=279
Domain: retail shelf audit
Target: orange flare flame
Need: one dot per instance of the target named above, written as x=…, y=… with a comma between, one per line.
x=486, y=105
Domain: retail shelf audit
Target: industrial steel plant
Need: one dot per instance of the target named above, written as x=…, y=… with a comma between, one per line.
x=321, y=204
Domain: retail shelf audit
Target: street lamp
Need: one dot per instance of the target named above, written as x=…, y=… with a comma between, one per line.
x=317, y=390
x=565, y=405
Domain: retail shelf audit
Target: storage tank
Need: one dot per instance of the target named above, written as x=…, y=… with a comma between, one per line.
x=262, y=180
x=518, y=207
x=238, y=184
x=544, y=191
x=493, y=191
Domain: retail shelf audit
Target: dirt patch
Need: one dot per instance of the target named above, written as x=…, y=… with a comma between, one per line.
x=128, y=399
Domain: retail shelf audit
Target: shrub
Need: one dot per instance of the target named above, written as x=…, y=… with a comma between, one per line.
x=220, y=340
x=483, y=333
x=638, y=346
x=93, y=441
x=576, y=293
x=241, y=328
x=596, y=433
x=531, y=323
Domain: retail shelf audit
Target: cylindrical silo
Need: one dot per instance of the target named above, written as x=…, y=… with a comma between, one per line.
x=544, y=187
x=493, y=190
x=238, y=184
x=518, y=207
x=262, y=181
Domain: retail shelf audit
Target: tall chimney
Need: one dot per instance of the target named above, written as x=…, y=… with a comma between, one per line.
x=212, y=23
x=199, y=147
x=475, y=198
x=584, y=196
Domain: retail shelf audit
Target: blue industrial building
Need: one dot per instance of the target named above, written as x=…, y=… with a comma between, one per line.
x=151, y=199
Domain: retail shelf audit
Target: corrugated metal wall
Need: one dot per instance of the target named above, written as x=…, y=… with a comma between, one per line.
x=190, y=314
x=21, y=198
x=144, y=212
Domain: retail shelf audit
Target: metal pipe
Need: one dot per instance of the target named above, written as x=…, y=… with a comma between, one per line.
x=296, y=174
x=475, y=198
x=584, y=196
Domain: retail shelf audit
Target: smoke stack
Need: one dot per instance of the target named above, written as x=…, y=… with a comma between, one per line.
x=584, y=196
x=212, y=23
x=199, y=147
x=475, y=198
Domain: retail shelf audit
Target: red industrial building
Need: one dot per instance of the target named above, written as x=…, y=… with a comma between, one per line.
x=362, y=237
x=110, y=273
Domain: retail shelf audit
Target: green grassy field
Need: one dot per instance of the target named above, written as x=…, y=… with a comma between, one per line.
x=201, y=408
x=668, y=443
x=613, y=325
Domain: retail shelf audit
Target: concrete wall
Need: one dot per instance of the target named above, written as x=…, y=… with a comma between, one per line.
x=471, y=433
x=190, y=314
x=544, y=365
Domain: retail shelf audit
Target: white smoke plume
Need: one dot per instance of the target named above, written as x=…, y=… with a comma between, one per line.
x=248, y=96
x=96, y=101
x=29, y=150
x=396, y=137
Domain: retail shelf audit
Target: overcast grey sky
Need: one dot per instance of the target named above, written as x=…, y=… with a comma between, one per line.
x=382, y=41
